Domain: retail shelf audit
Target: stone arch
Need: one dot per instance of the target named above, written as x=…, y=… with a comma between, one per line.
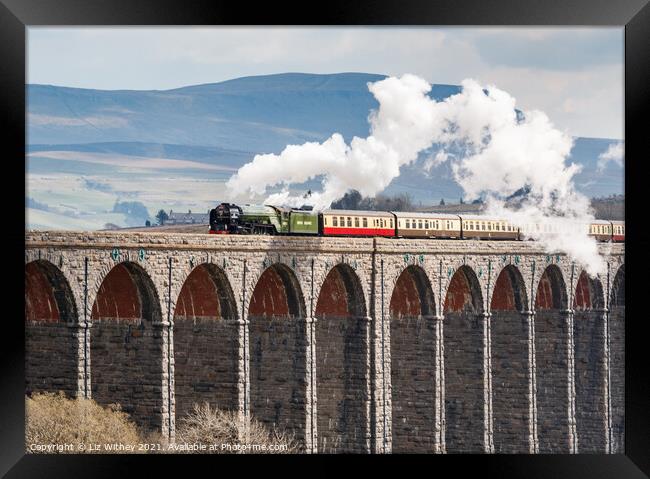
x=551, y=290
x=205, y=341
x=98, y=274
x=127, y=347
x=413, y=362
x=589, y=343
x=463, y=357
x=342, y=372
x=277, y=293
x=551, y=357
x=278, y=351
x=51, y=345
x=617, y=359
x=510, y=372
x=412, y=294
x=509, y=291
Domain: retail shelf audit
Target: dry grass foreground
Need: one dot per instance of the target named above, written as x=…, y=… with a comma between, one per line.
x=58, y=424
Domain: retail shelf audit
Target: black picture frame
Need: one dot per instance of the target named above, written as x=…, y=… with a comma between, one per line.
x=634, y=15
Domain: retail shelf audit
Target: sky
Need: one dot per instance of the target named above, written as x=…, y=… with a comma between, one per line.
x=574, y=75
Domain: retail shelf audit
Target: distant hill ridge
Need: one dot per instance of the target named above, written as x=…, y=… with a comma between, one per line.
x=228, y=122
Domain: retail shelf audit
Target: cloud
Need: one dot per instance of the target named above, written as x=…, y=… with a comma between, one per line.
x=531, y=63
x=615, y=153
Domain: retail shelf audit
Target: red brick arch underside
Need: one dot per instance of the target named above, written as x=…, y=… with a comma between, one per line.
x=277, y=294
x=509, y=291
x=412, y=296
x=463, y=293
x=341, y=295
x=588, y=294
x=206, y=293
x=126, y=293
x=48, y=296
x=551, y=290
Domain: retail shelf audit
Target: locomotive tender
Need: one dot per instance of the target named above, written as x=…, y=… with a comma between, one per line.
x=229, y=218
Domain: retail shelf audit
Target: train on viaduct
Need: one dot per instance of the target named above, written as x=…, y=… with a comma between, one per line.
x=363, y=345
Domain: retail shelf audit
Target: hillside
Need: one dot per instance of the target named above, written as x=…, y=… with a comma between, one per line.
x=175, y=148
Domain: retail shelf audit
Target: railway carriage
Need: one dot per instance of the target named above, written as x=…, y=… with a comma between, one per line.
x=529, y=231
x=357, y=223
x=482, y=227
x=618, y=231
x=601, y=230
x=427, y=225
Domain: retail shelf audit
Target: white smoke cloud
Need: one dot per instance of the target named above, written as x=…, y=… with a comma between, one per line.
x=615, y=153
x=502, y=153
x=400, y=129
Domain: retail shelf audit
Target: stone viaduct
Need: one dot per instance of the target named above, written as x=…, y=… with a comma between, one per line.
x=353, y=345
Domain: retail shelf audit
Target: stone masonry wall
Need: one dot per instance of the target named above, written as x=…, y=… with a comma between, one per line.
x=510, y=382
x=52, y=358
x=341, y=374
x=278, y=373
x=464, y=395
x=413, y=360
x=126, y=368
x=205, y=363
x=552, y=383
x=591, y=413
x=275, y=366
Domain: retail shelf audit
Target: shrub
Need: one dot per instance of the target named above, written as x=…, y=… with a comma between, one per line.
x=212, y=426
x=54, y=419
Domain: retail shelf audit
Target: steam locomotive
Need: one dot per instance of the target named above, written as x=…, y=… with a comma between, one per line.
x=230, y=218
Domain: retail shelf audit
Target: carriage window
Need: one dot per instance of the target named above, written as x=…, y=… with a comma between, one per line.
x=349, y=222
x=489, y=226
x=420, y=224
x=335, y=221
x=408, y=223
x=483, y=225
x=391, y=222
x=365, y=222
x=426, y=224
x=342, y=220
x=356, y=222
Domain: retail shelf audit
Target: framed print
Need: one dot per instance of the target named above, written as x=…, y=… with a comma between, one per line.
x=387, y=230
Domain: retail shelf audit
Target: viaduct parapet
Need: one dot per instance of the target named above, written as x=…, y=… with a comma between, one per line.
x=353, y=345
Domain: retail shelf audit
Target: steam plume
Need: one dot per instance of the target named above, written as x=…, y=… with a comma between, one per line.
x=502, y=152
